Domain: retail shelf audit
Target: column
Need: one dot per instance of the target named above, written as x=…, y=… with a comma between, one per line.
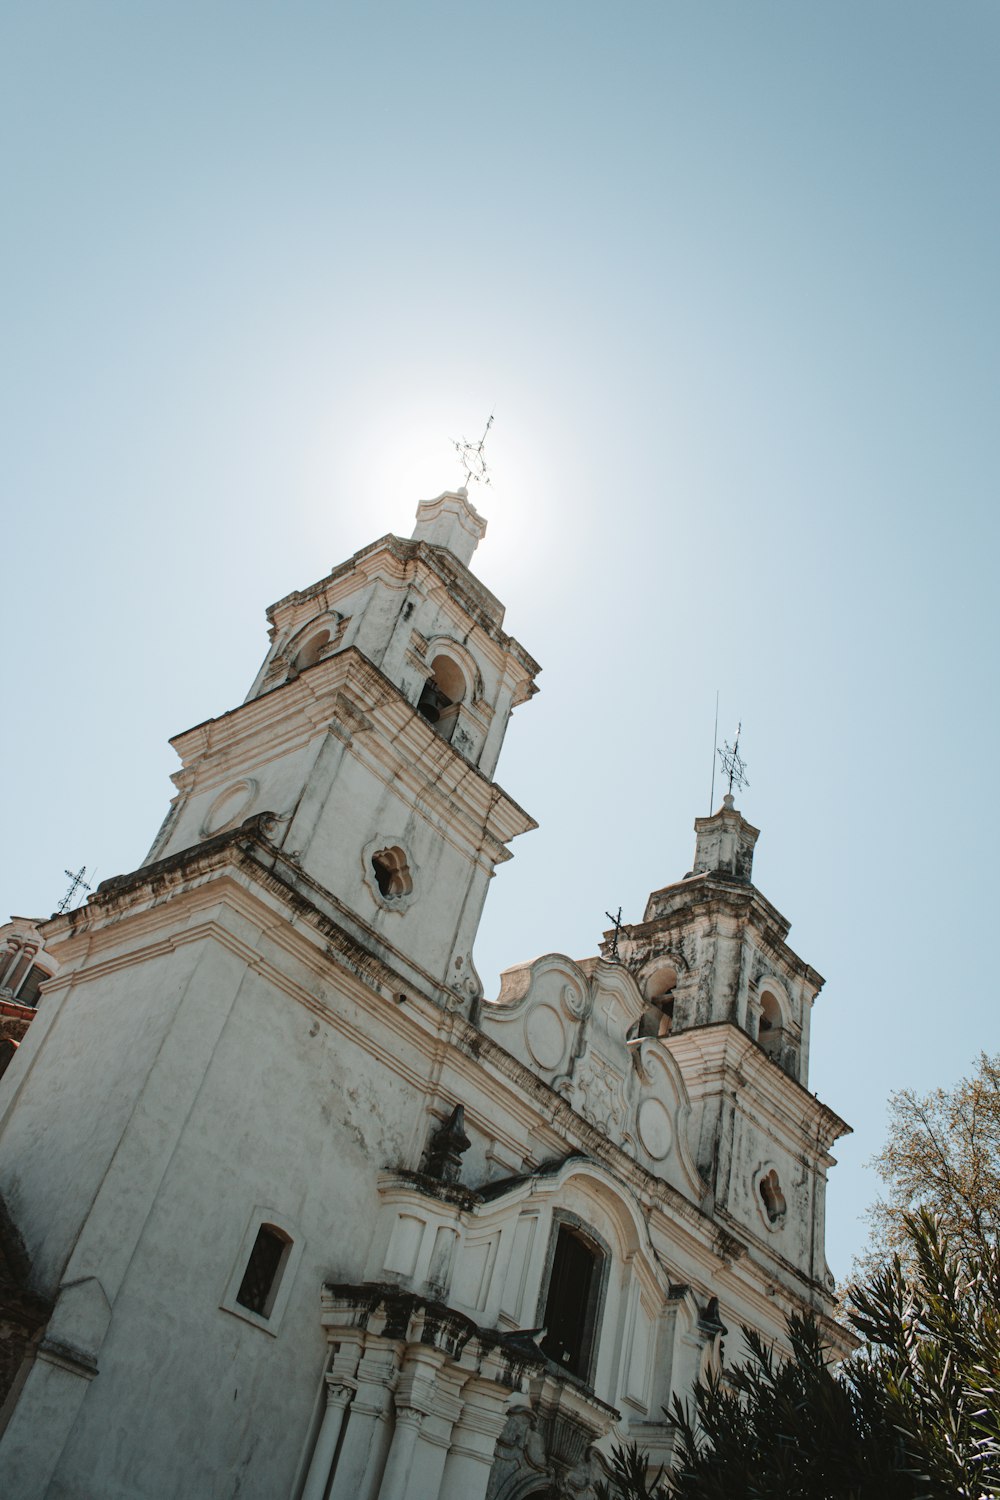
x=29, y=955
x=474, y=1440
x=340, y=1387
x=369, y=1424
x=441, y=1403
x=399, y=1465
x=423, y=1427
x=12, y=956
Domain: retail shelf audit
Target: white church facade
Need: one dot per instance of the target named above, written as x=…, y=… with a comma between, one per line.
x=290, y=1211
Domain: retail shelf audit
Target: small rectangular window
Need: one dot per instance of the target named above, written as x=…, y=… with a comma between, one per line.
x=263, y=1273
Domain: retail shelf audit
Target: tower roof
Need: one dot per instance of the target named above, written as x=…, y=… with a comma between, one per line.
x=451, y=521
x=725, y=844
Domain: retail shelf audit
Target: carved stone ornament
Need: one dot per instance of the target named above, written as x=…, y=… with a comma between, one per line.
x=449, y=1144
x=654, y=1127
x=600, y=1094
x=230, y=806
x=547, y=1448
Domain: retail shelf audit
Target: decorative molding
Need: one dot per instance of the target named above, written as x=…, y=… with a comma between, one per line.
x=230, y=807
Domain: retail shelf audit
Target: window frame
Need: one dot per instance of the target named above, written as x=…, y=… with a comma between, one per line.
x=565, y=1219
x=262, y=1217
x=405, y=899
x=777, y=1224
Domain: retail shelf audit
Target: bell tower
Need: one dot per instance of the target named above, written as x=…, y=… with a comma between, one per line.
x=368, y=743
x=730, y=1000
x=711, y=950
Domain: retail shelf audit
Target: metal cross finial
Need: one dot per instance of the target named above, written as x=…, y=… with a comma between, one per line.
x=733, y=764
x=614, y=941
x=78, y=883
x=471, y=457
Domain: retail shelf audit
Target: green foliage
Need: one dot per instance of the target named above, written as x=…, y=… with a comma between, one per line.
x=790, y=1427
x=630, y=1468
x=932, y=1358
x=913, y=1415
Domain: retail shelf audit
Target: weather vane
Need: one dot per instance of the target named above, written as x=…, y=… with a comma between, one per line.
x=471, y=457
x=77, y=883
x=614, y=941
x=733, y=764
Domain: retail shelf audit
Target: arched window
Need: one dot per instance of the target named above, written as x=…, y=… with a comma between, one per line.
x=572, y=1301
x=264, y=1269
x=311, y=651
x=769, y=1032
x=443, y=691
x=263, y=1272
x=28, y=993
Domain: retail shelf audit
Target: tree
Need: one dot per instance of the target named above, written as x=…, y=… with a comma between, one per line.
x=943, y=1153
x=931, y=1358
x=913, y=1415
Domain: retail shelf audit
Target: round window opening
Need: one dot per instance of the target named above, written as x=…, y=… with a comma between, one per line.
x=392, y=873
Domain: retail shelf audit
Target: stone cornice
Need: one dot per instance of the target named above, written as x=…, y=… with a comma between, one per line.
x=713, y=895
x=248, y=851
x=394, y=554
x=723, y=1044
x=346, y=691
x=225, y=869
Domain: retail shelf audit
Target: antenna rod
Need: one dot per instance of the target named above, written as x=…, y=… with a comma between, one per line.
x=715, y=751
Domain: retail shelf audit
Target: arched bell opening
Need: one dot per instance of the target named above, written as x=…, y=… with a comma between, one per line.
x=770, y=1030
x=311, y=651
x=441, y=695
x=659, y=993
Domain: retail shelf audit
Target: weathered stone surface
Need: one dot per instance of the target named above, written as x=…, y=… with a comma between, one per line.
x=294, y=1197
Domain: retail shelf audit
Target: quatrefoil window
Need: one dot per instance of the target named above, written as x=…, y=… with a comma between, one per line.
x=772, y=1197
x=392, y=873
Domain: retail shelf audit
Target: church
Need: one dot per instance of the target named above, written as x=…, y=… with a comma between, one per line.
x=290, y=1209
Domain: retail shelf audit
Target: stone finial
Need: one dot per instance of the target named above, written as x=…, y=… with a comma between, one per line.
x=451, y=521
x=449, y=1144
x=709, y=1319
x=725, y=844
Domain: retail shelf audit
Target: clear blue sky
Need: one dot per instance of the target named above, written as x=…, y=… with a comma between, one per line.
x=728, y=273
